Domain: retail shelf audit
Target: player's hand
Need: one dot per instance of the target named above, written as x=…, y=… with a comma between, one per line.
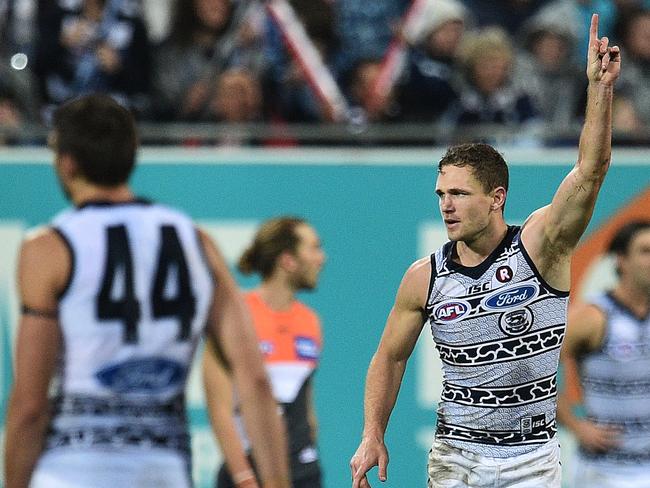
x=603, y=61
x=371, y=452
x=596, y=438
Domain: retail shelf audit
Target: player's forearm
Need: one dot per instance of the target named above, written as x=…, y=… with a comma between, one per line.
x=565, y=413
x=266, y=430
x=229, y=441
x=596, y=138
x=382, y=385
x=24, y=441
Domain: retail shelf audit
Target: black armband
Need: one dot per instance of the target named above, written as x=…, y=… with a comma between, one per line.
x=25, y=310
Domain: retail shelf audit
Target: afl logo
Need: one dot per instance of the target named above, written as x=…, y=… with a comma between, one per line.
x=511, y=297
x=516, y=322
x=451, y=311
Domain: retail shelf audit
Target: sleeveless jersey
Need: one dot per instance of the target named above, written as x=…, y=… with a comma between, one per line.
x=616, y=384
x=135, y=307
x=291, y=343
x=498, y=328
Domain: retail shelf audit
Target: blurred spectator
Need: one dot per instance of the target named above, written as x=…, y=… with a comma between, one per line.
x=507, y=14
x=18, y=101
x=490, y=93
x=426, y=90
x=577, y=15
x=359, y=81
x=87, y=46
x=625, y=7
x=157, y=16
x=289, y=97
x=632, y=107
x=553, y=72
x=237, y=98
x=208, y=37
x=367, y=27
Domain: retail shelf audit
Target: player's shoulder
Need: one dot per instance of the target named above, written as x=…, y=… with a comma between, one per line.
x=42, y=240
x=419, y=270
x=45, y=253
x=171, y=211
x=587, y=308
x=308, y=312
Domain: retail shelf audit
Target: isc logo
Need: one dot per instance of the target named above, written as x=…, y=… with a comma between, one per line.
x=451, y=311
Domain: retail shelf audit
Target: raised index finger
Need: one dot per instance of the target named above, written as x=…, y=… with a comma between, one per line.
x=593, y=30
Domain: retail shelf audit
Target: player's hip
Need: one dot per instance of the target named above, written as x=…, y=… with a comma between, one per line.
x=450, y=467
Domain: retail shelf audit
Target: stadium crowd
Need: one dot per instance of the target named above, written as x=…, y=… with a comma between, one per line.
x=456, y=63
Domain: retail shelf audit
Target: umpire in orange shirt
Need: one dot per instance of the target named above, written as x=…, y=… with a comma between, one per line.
x=287, y=254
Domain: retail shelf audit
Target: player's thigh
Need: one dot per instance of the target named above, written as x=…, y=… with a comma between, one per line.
x=448, y=468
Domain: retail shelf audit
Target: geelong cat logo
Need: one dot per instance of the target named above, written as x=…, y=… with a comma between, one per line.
x=451, y=311
x=511, y=297
x=516, y=322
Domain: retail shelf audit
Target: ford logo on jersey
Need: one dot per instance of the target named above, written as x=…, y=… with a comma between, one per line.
x=511, y=297
x=451, y=311
x=306, y=348
x=148, y=375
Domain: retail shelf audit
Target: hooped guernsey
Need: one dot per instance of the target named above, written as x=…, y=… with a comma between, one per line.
x=616, y=385
x=132, y=314
x=498, y=328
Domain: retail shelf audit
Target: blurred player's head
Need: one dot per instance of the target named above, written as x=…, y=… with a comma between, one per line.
x=631, y=246
x=472, y=185
x=98, y=137
x=287, y=247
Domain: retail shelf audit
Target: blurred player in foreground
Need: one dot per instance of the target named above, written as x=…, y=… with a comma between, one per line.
x=115, y=294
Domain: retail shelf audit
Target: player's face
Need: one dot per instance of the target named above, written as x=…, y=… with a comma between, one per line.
x=636, y=264
x=464, y=205
x=310, y=258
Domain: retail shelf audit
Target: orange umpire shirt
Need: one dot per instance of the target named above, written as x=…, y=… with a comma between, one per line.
x=291, y=342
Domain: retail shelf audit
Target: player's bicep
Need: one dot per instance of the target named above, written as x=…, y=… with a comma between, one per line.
x=406, y=318
x=36, y=354
x=43, y=271
x=44, y=267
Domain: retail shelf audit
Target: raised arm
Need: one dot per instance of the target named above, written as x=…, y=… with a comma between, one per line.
x=43, y=268
x=552, y=232
x=231, y=327
x=220, y=403
x=585, y=332
x=386, y=370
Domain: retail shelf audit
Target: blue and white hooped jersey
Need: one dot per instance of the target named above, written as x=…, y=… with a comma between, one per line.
x=131, y=316
x=498, y=328
x=616, y=384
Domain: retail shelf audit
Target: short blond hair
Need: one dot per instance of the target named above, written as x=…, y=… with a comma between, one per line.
x=476, y=46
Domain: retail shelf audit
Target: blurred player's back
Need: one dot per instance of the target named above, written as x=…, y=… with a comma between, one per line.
x=136, y=303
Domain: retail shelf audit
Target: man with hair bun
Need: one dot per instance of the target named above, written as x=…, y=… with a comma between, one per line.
x=608, y=342
x=286, y=253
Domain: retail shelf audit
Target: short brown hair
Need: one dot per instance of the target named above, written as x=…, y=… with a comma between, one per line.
x=274, y=237
x=100, y=135
x=488, y=165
